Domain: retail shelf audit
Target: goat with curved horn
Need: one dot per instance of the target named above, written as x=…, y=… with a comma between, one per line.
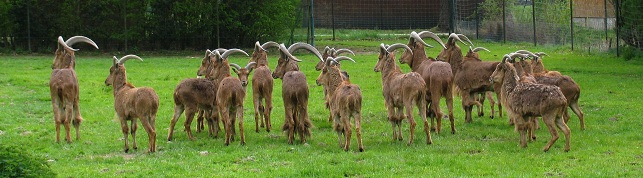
x=306, y=46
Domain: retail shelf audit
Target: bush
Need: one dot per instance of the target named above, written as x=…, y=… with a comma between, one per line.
x=14, y=162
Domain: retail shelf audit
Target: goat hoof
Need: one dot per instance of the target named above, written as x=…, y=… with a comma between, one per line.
x=361, y=149
x=126, y=150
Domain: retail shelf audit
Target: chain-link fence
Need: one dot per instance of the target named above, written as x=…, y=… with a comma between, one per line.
x=541, y=22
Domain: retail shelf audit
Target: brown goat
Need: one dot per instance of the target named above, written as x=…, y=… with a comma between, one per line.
x=452, y=53
x=191, y=94
x=131, y=103
x=567, y=85
x=294, y=92
x=437, y=76
x=230, y=97
x=262, y=85
x=401, y=91
x=345, y=102
x=63, y=87
x=525, y=101
x=333, y=53
x=472, y=80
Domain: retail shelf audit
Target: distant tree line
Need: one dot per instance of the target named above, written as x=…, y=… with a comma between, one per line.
x=34, y=25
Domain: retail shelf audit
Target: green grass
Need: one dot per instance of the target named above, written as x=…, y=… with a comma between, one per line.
x=610, y=147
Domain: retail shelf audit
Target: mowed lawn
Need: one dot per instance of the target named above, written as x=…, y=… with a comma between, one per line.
x=611, y=146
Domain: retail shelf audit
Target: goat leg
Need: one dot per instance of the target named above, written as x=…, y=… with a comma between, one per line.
x=358, y=129
x=266, y=113
x=178, y=110
x=125, y=132
x=258, y=113
x=242, y=136
x=134, y=127
x=77, y=119
x=189, y=116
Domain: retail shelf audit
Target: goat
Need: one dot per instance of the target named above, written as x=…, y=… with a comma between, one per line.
x=472, y=80
x=63, y=87
x=437, y=76
x=191, y=94
x=230, y=96
x=345, y=102
x=452, y=53
x=294, y=92
x=567, y=85
x=262, y=85
x=526, y=100
x=401, y=91
x=131, y=102
x=333, y=53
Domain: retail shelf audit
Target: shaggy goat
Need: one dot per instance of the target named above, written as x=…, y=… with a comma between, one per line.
x=472, y=80
x=294, y=92
x=525, y=101
x=437, y=76
x=333, y=53
x=262, y=85
x=63, y=87
x=191, y=94
x=567, y=85
x=345, y=102
x=131, y=103
x=230, y=96
x=452, y=53
x=401, y=91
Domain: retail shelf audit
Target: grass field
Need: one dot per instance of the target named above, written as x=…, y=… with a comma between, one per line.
x=612, y=90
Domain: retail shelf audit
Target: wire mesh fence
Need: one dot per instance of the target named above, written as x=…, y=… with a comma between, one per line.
x=581, y=24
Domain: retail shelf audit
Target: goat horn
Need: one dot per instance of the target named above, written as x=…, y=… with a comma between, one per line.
x=525, y=52
x=461, y=36
x=433, y=36
x=455, y=36
x=479, y=49
x=207, y=51
x=306, y=46
x=62, y=43
x=269, y=44
x=505, y=57
x=339, y=51
x=250, y=65
x=125, y=58
x=382, y=47
x=258, y=46
x=417, y=38
x=541, y=54
x=236, y=66
x=284, y=51
x=326, y=49
x=395, y=46
x=75, y=39
x=217, y=55
x=341, y=58
x=230, y=51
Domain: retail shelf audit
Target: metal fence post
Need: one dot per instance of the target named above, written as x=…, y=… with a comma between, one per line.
x=571, y=20
x=533, y=18
x=332, y=17
x=312, y=23
x=504, y=23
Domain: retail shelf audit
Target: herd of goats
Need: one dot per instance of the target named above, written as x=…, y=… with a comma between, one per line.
x=520, y=82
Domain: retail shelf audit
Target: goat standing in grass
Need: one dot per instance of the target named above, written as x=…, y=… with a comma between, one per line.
x=63, y=86
x=294, y=92
x=525, y=101
x=131, y=103
x=437, y=76
x=333, y=53
x=262, y=85
x=345, y=100
x=401, y=91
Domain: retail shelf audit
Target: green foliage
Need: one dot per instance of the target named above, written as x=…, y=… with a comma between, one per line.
x=15, y=162
x=630, y=23
x=631, y=53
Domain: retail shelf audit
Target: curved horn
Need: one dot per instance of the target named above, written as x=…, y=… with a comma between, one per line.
x=269, y=44
x=207, y=52
x=479, y=49
x=398, y=45
x=505, y=57
x=217, y=55
x=284, y=51
x=424, y=34
x=251, y=64
x=61, y=42
x=341, y=58
x=258, y=46
x=339, y=51
x=75, y=39
x=326, y=49
x=125, y=58
x=231, y=51
x=455, y=36
x=306, y=46
x=417, y=38
x=541, y=54
x=382, y=47
x=514, y=55
x=236, y=66
x=525, y=52
x=461, y=36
